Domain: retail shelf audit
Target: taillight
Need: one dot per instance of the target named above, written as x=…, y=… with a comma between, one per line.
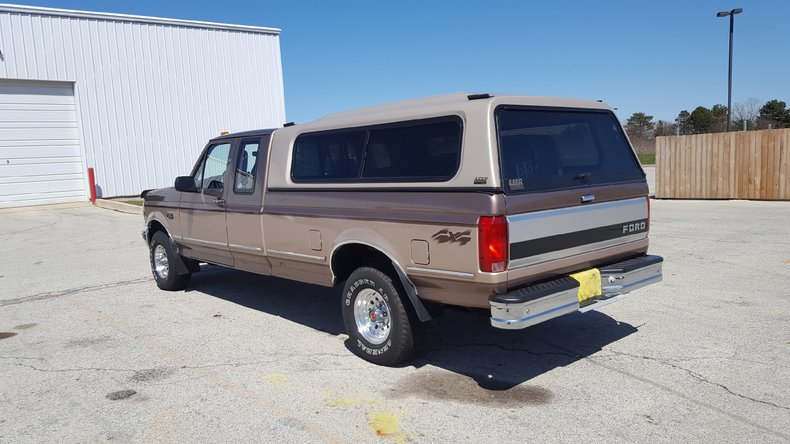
x=492, y=243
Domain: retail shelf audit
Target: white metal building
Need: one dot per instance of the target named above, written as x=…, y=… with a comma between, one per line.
x=136, y=98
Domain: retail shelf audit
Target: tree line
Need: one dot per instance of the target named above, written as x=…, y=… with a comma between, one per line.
x=749, y=115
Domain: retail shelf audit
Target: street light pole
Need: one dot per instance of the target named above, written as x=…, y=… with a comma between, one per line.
x=731, y=14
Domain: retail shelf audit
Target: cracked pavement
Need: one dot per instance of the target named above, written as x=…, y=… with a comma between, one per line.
x=94, y=351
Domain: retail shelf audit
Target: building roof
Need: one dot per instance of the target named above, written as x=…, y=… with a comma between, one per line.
x=36, y=10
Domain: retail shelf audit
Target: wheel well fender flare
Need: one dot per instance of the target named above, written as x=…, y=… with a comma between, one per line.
x=154, y=226
x=406, y=283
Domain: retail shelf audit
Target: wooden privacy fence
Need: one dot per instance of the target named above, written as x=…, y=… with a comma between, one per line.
x=735, y=165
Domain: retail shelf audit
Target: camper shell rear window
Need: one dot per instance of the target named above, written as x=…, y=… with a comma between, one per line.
x=543, y=149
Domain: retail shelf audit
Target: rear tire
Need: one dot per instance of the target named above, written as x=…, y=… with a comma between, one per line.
x=379, y=320
x=165, y=263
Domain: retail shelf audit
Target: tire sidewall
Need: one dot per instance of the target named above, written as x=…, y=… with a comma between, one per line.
x=160, y=238
x=365, y=278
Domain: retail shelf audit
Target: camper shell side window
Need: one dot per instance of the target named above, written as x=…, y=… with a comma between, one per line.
x=427, y=150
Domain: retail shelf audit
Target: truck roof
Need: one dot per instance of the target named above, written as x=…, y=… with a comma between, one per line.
x=452, y=101
x=427, y=105
x=250, y=133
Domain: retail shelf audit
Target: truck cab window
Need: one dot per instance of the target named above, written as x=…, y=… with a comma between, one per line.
x=211, y=172
x=246, y=167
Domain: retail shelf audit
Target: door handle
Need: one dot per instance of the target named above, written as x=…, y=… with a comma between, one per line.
x=588, y=198
x=220, y=202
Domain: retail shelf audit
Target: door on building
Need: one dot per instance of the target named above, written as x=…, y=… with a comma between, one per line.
x=40, y=159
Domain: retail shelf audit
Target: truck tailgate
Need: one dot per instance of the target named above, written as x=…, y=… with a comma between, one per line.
x=548, y=235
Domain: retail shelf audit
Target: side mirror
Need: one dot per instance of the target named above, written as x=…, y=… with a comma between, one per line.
x=186, y=184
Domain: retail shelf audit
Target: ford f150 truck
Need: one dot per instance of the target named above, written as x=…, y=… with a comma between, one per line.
x=529, y=207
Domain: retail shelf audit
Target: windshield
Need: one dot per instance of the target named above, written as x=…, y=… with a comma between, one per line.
x=544, y=150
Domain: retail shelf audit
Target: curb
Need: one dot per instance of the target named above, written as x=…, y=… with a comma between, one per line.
x=119, y=206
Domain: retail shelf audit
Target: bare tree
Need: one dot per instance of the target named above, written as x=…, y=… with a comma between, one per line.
x=664, y=128
x=746, y=113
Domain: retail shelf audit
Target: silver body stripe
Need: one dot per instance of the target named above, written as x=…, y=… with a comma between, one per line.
x=540, y=224
x=205, y=242
x=546, y=223
x=295, y=255
x=437, y=271
x=245, y=248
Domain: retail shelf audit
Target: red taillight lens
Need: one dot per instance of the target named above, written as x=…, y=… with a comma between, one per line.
x=492, y=243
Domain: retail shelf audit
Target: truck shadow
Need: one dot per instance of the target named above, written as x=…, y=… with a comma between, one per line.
x=460, y=342
x=310, y=305
x=497, y=359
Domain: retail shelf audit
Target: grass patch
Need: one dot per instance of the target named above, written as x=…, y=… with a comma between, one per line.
x=138, y=202
x=647, y=158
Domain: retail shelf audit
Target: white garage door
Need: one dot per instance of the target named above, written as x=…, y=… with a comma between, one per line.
x=39, y=145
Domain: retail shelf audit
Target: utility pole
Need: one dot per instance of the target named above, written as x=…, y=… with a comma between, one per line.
x=731, y=14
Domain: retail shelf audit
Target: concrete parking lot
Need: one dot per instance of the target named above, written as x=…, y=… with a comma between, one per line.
x=92, y=351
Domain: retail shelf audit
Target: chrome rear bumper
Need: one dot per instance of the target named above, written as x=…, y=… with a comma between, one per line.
x=536, y=303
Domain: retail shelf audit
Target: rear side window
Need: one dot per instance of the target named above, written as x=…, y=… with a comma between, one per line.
x=335, y=156
x=543, y=150
x=416, y=151
x=246, y=167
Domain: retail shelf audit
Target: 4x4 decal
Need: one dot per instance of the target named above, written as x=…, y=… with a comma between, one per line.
x=444, y=235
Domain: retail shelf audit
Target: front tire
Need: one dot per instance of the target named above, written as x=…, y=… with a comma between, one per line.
x=165, y=264
x=377, y=317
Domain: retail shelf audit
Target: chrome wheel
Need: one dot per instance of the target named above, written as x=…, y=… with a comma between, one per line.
x=161, y=263
x=372, y=315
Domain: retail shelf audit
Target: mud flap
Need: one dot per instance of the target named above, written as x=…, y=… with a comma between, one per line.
x=416, y=302
x=180, y=266
x=179, y=262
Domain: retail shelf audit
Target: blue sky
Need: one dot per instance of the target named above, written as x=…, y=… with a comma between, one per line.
x=658, y=57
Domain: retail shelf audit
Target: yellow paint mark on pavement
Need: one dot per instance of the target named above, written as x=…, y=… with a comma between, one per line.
x=786, y=261
x=347, y=402
x=384, y=423
x=277, y=379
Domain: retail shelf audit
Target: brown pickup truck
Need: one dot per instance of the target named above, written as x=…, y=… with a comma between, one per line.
x=530, y=207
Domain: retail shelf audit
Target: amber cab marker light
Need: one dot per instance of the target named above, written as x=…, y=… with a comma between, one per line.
x=224, y=132
x=492, y=238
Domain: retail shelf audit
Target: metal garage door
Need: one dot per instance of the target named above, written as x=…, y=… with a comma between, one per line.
x=39, y=145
